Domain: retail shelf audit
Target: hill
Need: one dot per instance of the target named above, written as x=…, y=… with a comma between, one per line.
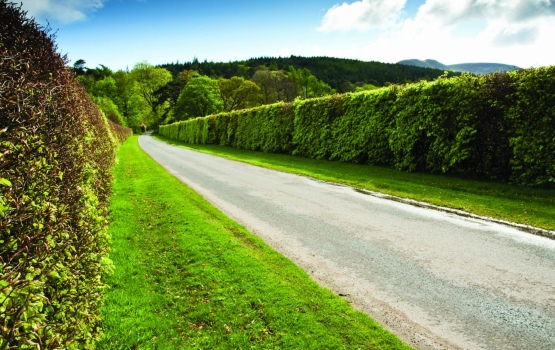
x=476, y=68
x=341, y=74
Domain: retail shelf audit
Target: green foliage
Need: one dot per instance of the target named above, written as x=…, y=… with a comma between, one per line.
x=497, y=127
x=366, y=87
x=532, y=118
x=238, y=93
x=362, y=133
x=110, y=109
x=308, y=86
x=122, y=98
x=105, y=88
x=267, y=128
x=275, y=86
x=148, y=80
x=435, y=124
x=57, y=150
x=314, y=120
x=343, y=75
x=199, y=98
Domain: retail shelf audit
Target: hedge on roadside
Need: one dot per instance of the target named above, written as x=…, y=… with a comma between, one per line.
x=498, y=127
x=57, y=151
x=532, y=119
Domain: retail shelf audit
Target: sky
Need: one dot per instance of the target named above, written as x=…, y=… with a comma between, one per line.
x=120, y=33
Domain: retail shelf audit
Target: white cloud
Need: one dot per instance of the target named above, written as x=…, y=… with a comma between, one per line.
x=452, y=12
x=517, y=32
x=506, y=34
x=523, y=45
x=65, y=11
x=507, y=22
x=362, y=15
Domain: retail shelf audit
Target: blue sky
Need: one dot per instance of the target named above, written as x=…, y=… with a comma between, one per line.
x=121, y=33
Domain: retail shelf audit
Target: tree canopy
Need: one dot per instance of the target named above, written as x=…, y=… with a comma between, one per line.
x=199, y=98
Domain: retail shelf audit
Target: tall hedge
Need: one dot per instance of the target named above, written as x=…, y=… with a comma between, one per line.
x=57, y=151
x=532, y=120
x=498, y=127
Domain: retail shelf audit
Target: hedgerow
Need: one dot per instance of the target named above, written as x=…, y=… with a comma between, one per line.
x=496, y=127
x=57, y=150
x=532, y=120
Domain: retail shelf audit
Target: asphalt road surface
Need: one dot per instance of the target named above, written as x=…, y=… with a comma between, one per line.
x=437, y=280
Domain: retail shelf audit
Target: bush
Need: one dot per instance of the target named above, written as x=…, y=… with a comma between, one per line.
x=57, y=151
x=532, y=120
x=314, y=119
x=496, y=127
x=361, y=135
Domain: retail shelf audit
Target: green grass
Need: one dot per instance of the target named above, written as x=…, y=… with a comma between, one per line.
x=523, y=205
x=188, y=277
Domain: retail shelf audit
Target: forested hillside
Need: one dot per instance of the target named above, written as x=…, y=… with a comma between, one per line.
x=343, y=75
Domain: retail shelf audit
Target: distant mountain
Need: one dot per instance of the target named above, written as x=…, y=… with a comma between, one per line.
x=476, y=68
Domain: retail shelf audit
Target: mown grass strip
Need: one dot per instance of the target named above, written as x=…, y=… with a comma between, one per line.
x=523, y=205
x=186, y=276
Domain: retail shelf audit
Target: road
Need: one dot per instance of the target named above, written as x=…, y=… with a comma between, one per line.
x=437, y=280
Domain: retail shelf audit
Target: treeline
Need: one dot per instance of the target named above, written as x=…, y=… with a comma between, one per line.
x=148, y=96
x=496, y=127
x=343, y=75
x=57, y=150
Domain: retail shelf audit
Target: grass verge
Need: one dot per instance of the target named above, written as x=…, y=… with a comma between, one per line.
x=186, y=276
x=523, y=205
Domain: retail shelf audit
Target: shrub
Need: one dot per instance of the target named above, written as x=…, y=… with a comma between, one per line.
x=497, y=127
x=56, y=155
x=314, y=119
x=532, y=120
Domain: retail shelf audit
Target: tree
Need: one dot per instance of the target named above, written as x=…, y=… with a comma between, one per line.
x=79, y=67
x=274, y=85
x=318, y=88
x=262, y=78
x=124, y=90
x=169, y=93
x=199, y=98
x=238, y=93
x=186, y=75
x=307, y=85
x=105, y=88
x=149, y=79
x=88, y=82
x=99, y=73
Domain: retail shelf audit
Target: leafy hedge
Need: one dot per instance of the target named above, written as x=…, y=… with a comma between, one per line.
x=500, y=127
x=532, y=119
x=57, y=151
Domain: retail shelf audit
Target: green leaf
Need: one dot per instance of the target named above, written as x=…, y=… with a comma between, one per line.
x=5, y=182
x=54, y=275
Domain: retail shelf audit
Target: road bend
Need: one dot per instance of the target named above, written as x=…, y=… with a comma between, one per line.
x=437, y=280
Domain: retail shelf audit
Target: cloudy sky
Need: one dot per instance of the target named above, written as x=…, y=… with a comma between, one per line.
x=120, y=33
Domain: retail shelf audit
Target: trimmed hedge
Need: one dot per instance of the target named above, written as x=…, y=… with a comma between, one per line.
x=498, y=127
x=531, y=117
x=57, y=151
